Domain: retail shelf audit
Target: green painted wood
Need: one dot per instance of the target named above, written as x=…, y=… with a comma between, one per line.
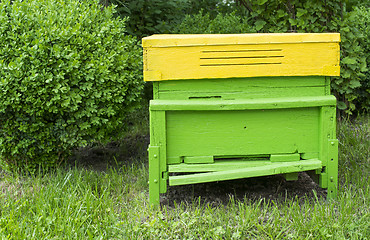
x=161, y=119
x=158, y=138
x=272, y=169
x=155, y=89
x=242, y=94
x=329, y=151
x=291, y=176
x=219, y=165
x=327, y=85
x=332, y=168
x=324, y=135
x=285, y=157
x=309, y=155
x=232, y=84
x=213, y=126
x=199, y=159
x=247, y=88
x=244, y=104
x=154, y=175
x=226, y=133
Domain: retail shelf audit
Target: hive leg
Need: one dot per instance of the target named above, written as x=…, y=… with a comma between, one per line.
x=157, y=156
x=154, y=175
x=332, y=169
x=328, y=151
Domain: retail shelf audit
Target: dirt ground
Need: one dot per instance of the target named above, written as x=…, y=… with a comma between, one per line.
x=133, y=149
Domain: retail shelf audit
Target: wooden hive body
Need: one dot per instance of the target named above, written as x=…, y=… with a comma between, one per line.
x=235, y=106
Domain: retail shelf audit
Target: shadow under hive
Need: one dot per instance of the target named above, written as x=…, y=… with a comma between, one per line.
x=241, y=105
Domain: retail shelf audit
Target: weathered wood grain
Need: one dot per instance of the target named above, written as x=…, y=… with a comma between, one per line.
x=218, y=133
x=215, y=56
x=269, y=169
x=241, y=88
x=243, y=104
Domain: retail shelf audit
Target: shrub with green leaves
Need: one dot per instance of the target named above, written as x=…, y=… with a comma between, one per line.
x=352, y=87
x=68, y=76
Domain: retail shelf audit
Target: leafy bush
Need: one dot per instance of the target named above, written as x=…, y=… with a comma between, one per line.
x=352, y=87
x=68, y=75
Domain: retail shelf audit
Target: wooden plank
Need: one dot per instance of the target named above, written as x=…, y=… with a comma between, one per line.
x=332, y=155
x=309, y=155
x=274, y=168
x=325, y=134
x=155, y=90
x=158, y=138
x=161, y=128
x=234, y=84
x=243, y=104
x=327, y=85
x=198, y=159
x=154, y=175
x=291, y=176
x=218, y=165
x=285, y=157
x=245, y=88
x=244, y=94
x=225, y=133
x=301, y=59
x=175, y=40
x=332, y=168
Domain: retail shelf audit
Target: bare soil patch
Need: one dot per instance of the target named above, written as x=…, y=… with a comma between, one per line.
x=130, y=150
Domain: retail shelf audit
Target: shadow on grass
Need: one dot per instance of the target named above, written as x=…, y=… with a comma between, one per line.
x=270, y=188
x=132, y=149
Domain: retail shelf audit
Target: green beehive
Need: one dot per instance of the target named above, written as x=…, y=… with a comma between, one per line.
x=241, y=105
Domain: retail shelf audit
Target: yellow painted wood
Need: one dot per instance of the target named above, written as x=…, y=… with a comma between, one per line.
x=172, y=40
x=175, y=57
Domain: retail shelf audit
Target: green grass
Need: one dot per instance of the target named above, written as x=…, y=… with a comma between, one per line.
x=87, y=204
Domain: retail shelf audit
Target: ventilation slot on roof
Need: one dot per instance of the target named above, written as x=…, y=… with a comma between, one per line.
x=241, y=57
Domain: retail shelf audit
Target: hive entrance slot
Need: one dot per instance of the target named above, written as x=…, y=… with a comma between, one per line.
x=205, y=97
x=261, y=157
